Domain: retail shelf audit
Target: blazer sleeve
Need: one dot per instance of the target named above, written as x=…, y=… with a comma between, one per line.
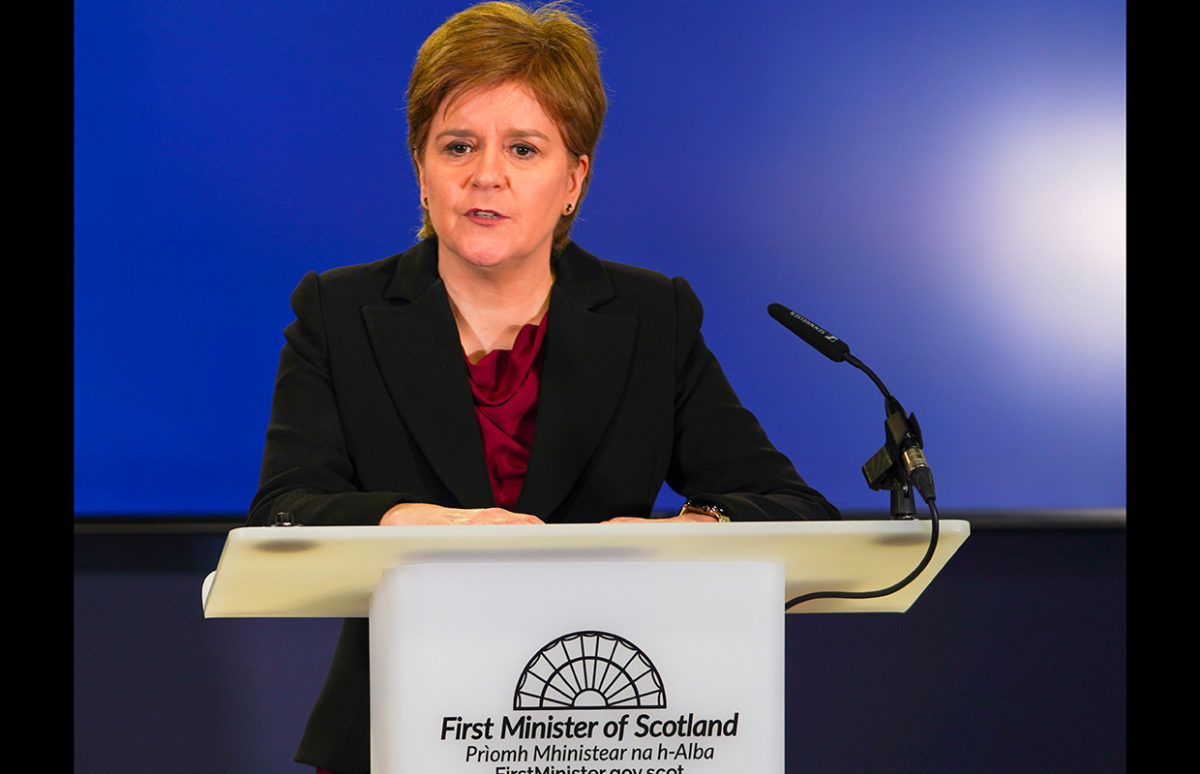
x=307, y=470
x=721, y=454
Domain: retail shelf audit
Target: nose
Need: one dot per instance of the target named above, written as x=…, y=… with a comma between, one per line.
x=489, y=169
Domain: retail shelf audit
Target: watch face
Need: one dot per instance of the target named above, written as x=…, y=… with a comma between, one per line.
x=707, y=508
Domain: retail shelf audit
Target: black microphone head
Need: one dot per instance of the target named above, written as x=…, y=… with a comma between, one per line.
x=822, y=340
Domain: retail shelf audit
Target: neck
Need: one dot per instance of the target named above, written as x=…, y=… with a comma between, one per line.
x=492, y=304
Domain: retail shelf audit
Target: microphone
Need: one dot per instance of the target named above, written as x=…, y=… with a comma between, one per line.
x=825, y=342
x=900, y=465
x=900, y=462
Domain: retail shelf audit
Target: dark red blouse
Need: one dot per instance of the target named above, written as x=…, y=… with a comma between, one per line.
x=505, y=386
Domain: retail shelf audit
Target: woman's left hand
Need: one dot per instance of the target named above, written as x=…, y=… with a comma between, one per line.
x=689, y=517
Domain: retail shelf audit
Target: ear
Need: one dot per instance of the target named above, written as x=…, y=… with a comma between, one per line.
x=575, y=177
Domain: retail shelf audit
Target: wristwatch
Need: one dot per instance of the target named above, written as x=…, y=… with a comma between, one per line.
x=707, y=508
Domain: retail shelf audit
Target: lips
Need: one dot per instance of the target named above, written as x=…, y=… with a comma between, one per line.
x=487, y=216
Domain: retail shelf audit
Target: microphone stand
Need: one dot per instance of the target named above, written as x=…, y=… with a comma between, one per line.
x=889, y=468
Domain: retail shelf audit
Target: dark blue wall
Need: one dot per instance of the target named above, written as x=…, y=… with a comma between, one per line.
x=1013, y=660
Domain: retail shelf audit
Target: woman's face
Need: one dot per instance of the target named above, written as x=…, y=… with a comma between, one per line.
x=497, y=176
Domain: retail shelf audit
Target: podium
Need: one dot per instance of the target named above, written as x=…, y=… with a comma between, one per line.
x=588, y=649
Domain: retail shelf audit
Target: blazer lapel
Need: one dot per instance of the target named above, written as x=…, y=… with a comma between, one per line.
x=419, y=354
x=587, y=360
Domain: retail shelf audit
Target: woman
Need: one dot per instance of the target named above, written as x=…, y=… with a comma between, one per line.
x=496, y=372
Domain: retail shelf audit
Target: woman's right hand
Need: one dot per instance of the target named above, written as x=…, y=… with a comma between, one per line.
x=424, y=514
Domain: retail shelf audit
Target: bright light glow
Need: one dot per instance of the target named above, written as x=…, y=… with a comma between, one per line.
x=1045, y=220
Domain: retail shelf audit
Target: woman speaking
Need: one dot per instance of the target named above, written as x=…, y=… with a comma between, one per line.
x=496, y=372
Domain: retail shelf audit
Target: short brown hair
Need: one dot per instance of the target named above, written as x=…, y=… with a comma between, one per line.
x=548, y=50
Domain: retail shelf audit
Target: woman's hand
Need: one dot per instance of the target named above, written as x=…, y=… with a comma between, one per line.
x=692, y=512
x=688, y=516
x=424, y=514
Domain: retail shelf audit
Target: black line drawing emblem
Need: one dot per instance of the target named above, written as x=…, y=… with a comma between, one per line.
x=589, y=670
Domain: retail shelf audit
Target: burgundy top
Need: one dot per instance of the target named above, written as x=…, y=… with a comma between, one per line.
x=505, y=387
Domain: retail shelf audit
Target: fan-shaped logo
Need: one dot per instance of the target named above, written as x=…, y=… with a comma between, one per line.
x=589, y=670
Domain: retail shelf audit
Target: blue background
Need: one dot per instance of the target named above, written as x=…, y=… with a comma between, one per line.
x=941, y=184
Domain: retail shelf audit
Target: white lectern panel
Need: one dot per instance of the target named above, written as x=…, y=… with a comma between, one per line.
x=522, y=667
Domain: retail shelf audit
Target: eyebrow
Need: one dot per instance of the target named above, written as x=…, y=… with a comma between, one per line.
x=452, y=132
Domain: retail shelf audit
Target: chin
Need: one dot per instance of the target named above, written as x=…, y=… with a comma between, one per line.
x=485, y=254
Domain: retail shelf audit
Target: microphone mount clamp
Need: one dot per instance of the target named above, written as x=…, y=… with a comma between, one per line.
x=889, y=467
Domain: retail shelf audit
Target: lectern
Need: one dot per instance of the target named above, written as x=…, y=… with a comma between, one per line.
x=574, y=649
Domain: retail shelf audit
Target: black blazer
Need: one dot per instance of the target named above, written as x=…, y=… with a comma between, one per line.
x=372, y=407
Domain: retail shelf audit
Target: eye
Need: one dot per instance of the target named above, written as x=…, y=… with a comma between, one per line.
x=524, y=151
x=458, y=148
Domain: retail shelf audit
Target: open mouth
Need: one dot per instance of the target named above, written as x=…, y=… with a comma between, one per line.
x=484, y=214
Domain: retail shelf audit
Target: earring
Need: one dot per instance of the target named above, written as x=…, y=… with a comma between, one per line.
x=425, y=202
x=570, y=207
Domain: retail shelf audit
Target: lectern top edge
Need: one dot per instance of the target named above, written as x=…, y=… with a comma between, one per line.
x=305, y=571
